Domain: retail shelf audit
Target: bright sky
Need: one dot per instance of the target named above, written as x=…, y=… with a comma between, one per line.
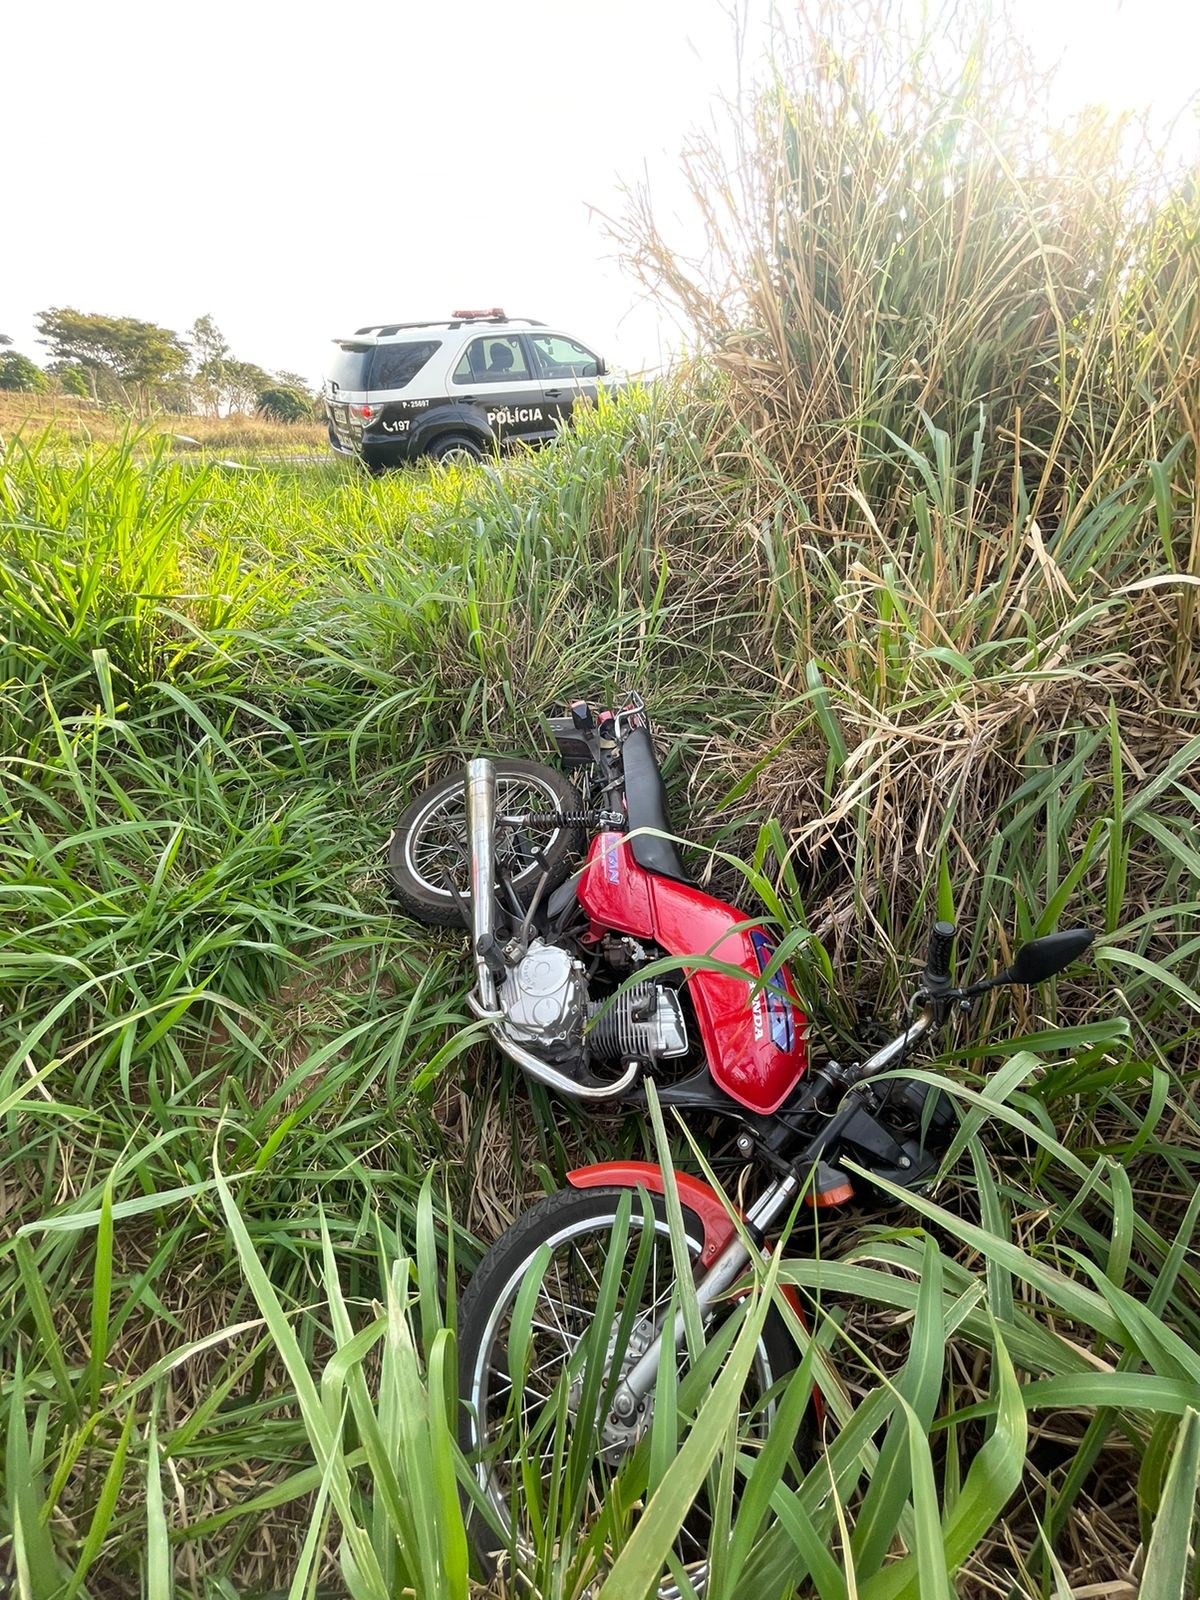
x=299, y=170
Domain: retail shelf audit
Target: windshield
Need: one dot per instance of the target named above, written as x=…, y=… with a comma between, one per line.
x=347, y=366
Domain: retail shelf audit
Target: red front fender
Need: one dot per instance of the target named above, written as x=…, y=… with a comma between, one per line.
x=696, y=1196
x=704, y=1203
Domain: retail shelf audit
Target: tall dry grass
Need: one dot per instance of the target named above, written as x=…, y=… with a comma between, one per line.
x=957, y=352
x=68, y=422
x=896, y=228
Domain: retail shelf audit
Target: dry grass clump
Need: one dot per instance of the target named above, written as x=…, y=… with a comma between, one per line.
x=893, y=227
x=71, y=422
x=960, y=391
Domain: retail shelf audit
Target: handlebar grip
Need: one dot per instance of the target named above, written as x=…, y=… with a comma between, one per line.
x=937, y=964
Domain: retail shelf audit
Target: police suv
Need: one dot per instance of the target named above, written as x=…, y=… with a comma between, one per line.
x=453, y=390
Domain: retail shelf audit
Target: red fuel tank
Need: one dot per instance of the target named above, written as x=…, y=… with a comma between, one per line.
x=755, y=1043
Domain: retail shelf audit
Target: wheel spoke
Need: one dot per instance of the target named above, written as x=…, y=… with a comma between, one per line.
x=525, y=1426
x=437, y=848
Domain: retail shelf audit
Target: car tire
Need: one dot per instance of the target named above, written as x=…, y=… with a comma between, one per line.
x=455, y=447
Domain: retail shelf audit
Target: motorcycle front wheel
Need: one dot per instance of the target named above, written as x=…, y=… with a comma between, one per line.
x=515, y=1443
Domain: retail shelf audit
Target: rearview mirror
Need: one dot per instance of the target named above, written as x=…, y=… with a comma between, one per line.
x=1042, y=958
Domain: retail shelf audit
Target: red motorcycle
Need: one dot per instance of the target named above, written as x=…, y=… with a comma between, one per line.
x=558, y=943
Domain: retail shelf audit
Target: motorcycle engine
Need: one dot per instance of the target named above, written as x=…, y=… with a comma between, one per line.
x=647, y=1021
x=545, y=1001
x=544, y=997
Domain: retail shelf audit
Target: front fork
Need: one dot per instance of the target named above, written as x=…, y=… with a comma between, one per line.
x=637, y=1384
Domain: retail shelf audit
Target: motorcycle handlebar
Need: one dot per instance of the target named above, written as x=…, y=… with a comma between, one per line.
x=895, y=1049
x=935, y=984
x=937, y=963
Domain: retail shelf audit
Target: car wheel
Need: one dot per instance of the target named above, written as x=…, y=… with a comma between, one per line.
x=460, y=447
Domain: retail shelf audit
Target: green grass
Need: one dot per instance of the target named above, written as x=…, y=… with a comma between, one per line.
x=228, y=1068
x=908, y=654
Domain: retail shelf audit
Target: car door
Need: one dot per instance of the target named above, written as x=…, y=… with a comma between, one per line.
x=495, y=372
x=569, y=371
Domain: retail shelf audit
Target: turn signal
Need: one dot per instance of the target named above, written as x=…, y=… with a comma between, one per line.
x=830, y=1188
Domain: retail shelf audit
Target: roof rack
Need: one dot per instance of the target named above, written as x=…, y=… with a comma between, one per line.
x=397, y=327
x=386, y=329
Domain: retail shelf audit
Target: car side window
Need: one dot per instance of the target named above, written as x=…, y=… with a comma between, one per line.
x=563, y=358
x=396, y=365
x=492, y=359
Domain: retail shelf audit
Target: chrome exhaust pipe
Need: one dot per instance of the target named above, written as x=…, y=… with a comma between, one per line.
x=481, y=832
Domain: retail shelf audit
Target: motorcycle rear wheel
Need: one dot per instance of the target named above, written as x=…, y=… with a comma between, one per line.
x=428, y=854
x=576, y=1227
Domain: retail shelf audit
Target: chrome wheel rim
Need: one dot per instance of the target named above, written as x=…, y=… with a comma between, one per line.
x=435, y=847
x=561, y=1324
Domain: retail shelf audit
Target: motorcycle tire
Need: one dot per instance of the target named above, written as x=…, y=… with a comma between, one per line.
x=428, y=854
x=576, y=1222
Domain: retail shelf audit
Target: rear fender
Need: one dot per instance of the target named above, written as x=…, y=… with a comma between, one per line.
x=454, y=417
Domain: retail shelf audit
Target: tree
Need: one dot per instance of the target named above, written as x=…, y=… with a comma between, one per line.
x=210, y=355
x=71, y=378
x=19, y=372
x=4, y=339
x=220, y=381
x=284, y=405
x=135, y=356
x=296, y=382
x=243, y=383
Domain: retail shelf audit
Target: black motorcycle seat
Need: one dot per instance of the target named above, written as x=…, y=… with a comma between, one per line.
x=646, y=807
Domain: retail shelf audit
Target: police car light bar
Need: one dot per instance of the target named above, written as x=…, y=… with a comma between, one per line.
x=494, y=311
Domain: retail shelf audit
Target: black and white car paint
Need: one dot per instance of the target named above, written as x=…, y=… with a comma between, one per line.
x=467, y=386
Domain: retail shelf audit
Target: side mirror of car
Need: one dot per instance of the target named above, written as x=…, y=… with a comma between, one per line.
x=600, y=370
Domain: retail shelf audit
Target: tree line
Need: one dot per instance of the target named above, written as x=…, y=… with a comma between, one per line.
x=143, y=367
